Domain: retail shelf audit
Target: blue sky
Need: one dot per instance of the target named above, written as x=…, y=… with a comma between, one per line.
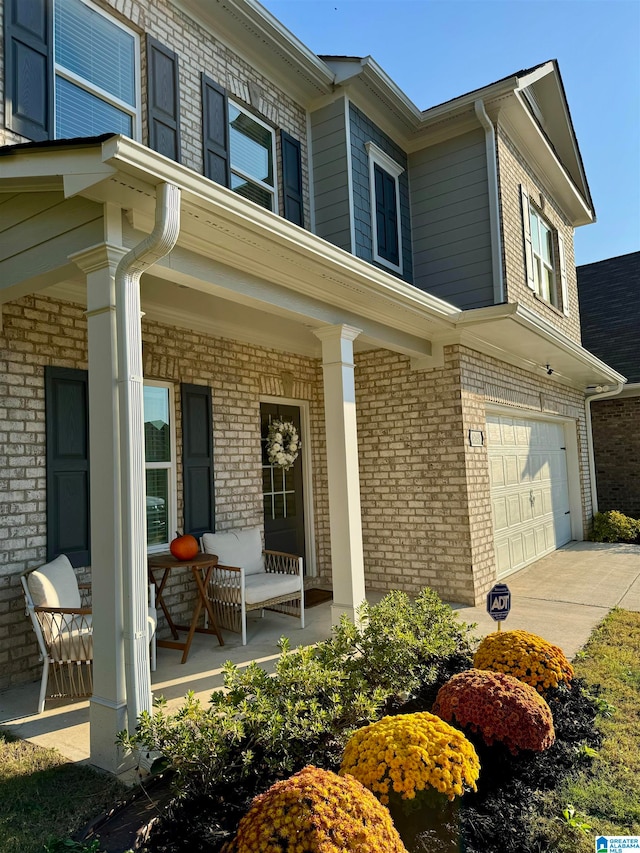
x=438, y=49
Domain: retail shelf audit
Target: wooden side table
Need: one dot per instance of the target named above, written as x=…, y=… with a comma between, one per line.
x=201, y=567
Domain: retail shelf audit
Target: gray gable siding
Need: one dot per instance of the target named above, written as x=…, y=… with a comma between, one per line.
x=362, y=131
x=610, y=313
x=450, y=216
x=330, y=174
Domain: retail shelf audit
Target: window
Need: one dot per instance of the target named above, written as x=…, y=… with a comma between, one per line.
x=160, y=455
x=385, y=207
x=96, y=61
x=544, y=256
x=251, y=155
x=542, y=250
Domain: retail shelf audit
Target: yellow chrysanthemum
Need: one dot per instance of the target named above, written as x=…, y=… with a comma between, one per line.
x=422, y=751
x=525, y=656
x=316, y=810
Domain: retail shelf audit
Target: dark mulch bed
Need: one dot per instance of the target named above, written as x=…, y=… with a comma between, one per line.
x=495, y=820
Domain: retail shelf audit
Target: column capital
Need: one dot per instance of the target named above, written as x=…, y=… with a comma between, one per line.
x=339, y=332
x=99, y=257
x=337, y=343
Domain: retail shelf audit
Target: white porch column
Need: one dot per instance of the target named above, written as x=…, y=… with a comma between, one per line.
x=108, y=704
x=347, y=561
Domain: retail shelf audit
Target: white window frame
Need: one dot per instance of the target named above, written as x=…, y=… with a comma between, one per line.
x=172, y=514
x=92, y=89
x=536, y=219
x=378, y=157
x=273, y=190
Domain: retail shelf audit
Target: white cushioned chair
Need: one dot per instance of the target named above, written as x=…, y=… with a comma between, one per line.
x=60, y=612
x=248, y=578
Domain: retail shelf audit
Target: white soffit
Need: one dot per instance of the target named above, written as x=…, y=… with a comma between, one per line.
x=518, y=336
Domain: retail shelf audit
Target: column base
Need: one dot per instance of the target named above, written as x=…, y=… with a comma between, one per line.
x=337, y=611
x=106, y=720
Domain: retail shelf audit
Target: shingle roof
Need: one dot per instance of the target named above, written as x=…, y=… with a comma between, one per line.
x=609, y=294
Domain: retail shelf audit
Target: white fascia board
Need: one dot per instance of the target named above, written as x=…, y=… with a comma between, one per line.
x=262, y=41
x=536, y=74
x=519, y=121
x=198, y=191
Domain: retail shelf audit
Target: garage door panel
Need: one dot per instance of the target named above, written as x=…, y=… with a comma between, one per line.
x=496, y=471
x=529, y=545
x=503, y=557
x=513, y=510
x=500, y=514
x=529, y=486
x=526, y=507
x=508, y=432
x=511, y=471
x=516, y=550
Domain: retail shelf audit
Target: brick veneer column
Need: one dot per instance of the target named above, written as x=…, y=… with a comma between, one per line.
x=345, y=521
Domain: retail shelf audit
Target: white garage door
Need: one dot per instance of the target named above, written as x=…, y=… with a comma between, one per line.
x=529, y=489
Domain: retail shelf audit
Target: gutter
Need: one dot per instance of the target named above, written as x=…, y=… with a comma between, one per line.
x=494, y=200
x=603, y=394
x=132, y=461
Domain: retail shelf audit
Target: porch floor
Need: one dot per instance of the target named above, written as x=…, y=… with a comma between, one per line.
x=561, y=597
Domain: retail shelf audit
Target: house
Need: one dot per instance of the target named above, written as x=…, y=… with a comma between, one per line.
x=610, y=318
x=301, y=241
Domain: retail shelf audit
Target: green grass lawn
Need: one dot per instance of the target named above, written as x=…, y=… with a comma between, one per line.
x=42, y=795
x=606, y=795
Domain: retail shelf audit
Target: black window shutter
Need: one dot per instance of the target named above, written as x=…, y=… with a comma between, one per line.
x=163, y=99
x=292, y=179
x=197, y=459
x=215, y=132
x=386, y=215
x=28, y=68
x=67, y=433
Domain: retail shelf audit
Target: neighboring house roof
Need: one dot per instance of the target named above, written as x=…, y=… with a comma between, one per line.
x=609, y=294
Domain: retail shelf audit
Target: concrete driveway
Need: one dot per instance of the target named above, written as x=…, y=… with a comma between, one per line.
x=563, y=596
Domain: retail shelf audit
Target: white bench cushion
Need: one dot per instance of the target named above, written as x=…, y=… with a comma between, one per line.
x=54, y=584
x=241, y=548
x=268, y=585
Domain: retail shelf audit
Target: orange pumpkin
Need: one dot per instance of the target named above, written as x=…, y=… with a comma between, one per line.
x=184, y=547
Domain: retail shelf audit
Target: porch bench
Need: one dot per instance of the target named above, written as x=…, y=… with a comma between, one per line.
x=248, y=578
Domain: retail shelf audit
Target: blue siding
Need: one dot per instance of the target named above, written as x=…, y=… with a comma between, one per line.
x=362, y=131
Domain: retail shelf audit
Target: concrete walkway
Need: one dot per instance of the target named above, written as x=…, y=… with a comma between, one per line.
x=561, y=598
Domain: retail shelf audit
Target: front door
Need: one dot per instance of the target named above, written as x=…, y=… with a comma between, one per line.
x=282, y=490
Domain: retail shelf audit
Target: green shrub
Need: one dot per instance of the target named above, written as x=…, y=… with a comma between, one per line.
x=614, y=526
x=263, y=728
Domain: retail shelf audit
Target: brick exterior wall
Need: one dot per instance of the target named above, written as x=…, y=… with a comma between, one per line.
x=199, y=50
x=513, y=171
x=425, y=493
x=38, y=331
x=426, y=508
x=616, y=441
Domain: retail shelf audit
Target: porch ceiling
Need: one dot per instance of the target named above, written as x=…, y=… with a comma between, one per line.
x=227, y=248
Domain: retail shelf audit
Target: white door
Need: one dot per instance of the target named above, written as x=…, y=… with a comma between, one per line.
x=529, y=489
